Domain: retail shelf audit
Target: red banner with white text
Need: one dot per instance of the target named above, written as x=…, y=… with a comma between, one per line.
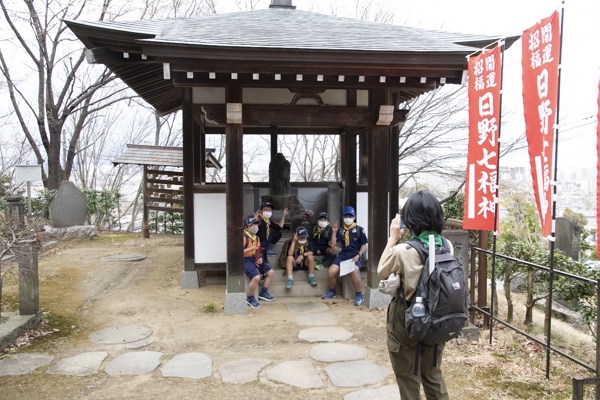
x=541, y=54
x=598, y=175
x=485, y=72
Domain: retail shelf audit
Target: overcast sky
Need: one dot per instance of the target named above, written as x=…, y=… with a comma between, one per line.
x=580, y=59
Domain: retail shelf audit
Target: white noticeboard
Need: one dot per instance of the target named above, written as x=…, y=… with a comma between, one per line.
x=210, y=228
x=28, y=173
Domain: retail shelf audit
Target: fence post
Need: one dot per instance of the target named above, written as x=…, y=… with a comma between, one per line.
x=29, y=290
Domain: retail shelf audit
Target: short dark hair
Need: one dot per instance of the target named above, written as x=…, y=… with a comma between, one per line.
x=423, y=212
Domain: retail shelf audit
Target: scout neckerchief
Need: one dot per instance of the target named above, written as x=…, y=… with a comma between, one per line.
x=252, y=237
x=301, y=247
x=318, y=232
x=424, y=238
x=267, y=222
x=347, y=234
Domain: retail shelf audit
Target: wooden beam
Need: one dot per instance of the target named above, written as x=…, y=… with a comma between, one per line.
x=309, y=130
x=188, y=181
x=291, y=116
x=235, y=198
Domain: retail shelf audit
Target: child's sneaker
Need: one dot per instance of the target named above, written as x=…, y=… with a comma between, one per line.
x=318, y=264
x=331, y=293
x=251, y=301
x=264, y=295
x=289, y=283
x=359, y=299
x=312, y=280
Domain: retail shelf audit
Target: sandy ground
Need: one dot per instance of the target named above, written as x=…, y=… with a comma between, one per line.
x=82, y=292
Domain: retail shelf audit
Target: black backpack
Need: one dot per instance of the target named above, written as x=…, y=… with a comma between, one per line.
x=444, y=295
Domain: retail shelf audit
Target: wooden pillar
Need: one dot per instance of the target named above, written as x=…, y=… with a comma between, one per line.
x=188, y=180
x=348, y=146
x=234, y=195
x=273, y=142
x=200, y=159
x=145, y=225
x=379, y=178
x=394, y=167
x=364, y=156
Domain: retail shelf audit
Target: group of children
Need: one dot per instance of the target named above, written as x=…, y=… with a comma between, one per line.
x=260, y=234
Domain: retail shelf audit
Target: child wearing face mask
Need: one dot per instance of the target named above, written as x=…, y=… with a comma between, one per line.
x=269, y=232
x=321, y=236
x=300, y=256
x=353, y=242
x=253, y=259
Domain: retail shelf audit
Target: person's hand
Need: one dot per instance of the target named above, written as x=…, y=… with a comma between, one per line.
x=284, y=213
x=295, y=238
x=356, y=258
x=395, y=231
x=256, y=214
x=259, y=261
x=334, y=227
x=318, y=252
x=299, y=259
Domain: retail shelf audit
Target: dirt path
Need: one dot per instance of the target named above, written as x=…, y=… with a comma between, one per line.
x=84, y=293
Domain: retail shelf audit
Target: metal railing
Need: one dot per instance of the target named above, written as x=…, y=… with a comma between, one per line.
x=488, y=313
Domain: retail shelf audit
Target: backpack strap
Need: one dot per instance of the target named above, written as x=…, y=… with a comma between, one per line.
x=417, y=358
x=420, y=248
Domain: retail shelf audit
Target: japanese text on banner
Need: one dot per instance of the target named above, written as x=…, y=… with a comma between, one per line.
x=482, y=159
x=540, y=57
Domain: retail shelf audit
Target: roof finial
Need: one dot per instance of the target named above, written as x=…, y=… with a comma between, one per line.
x=282, y=4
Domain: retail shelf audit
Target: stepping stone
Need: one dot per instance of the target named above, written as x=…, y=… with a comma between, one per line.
x=301, y=374
x=121, y=334
x=355, y=374
x=243, y=371
x=188, y=365
x=79, y=365
x=389, y=392
x=126, y=257
x=139, y=344
x=303, y=308
x=24, y=363
x=333, y=352
x=324, y=334
x=137, y=363
x=325, y=319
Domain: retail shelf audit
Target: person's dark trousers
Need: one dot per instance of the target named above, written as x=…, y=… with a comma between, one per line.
x=402, y=352
x=273, y=238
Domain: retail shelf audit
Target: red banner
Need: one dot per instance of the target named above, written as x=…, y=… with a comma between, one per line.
x=541, y=54
x=598, y=176
x=485, y=72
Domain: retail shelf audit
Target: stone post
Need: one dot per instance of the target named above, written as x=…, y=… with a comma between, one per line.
x=29, y=290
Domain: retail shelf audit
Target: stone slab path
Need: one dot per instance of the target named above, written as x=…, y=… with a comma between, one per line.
x=344, y=367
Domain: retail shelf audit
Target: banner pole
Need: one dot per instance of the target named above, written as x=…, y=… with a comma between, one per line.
x=554, y=193
x=497, y=199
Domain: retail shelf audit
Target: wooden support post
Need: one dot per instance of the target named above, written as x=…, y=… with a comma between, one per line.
x=200, y=153
x=273, y=142
x=29, y=289
x=188, y=181
x=145, y=225
x=394, y=167
x=235, y=198
x=348, y=146
x=364, y=156
x=379, y=178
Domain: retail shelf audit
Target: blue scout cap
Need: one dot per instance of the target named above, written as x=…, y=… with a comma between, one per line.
x=348, y=211
x=266, y=204
x=249, y=221
x=301, y=232
x=323, y=215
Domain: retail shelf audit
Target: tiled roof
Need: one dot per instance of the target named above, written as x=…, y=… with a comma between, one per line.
x=160, y=156
x=274, y=28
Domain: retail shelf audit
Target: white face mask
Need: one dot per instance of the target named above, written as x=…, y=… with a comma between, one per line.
x=301, y=241
x=267, y=214
x=348, y=221
x=322, y=224
x=253, y=230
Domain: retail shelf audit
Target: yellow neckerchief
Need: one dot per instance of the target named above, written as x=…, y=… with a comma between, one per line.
x=301, y=247
x=267, y=222
x=347, y=234
x=253, y=238
x=320, y=230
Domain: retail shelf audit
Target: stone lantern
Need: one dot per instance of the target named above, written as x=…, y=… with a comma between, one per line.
x=15, y=210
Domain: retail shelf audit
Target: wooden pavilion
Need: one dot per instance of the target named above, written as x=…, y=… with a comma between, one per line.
x=279, y=71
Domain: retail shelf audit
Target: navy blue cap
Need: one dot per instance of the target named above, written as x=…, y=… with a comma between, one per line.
x=249, y=221
x=301, y=232
x=323, y=215
x=266, y=204
x=348, y=211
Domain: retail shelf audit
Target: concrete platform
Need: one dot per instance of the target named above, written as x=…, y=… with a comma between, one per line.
x=15, y=326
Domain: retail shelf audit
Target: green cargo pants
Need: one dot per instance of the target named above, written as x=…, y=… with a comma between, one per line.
x=402, y=352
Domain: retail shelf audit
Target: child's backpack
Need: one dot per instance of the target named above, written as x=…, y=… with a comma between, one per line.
x=444, y=295
x=283, y=254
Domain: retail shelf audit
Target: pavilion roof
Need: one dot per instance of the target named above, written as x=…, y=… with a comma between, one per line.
x=270, y=37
